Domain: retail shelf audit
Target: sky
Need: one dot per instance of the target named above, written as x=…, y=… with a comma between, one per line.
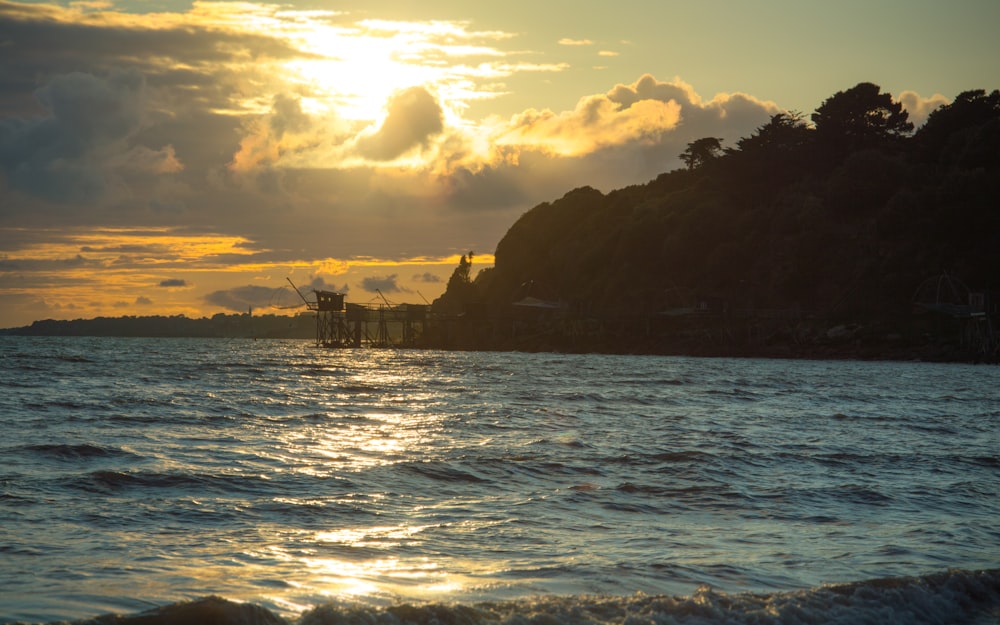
x=164, y=157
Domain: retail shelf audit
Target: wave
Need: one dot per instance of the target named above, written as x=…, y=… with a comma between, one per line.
x=441, y=471
x=64, y=451
x=953, y=597
x=108, y=481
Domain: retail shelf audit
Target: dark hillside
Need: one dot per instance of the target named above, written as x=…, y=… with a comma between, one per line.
x=837, y=222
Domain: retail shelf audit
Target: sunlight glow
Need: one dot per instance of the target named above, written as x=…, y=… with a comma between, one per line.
x=380, y=537
x=381, y=438
x=419, y=578
x=356, y=69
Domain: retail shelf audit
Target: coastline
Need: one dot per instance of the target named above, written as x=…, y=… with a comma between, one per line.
x=929, y=338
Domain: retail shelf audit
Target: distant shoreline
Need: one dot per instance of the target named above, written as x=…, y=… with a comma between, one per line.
x=911, y=340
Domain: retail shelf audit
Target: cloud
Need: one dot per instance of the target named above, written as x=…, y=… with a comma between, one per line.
x=413, y=116
x=142, y=159
x=918, y=107
x=566, y=41
x=58, y=264
x=71, y=153
x=287, y=115
x=596, y=122
x=286, y=297
x=178, y=49
x=647, y=112
x=283, y=132
x=243, y=297
x=173, y=282
x=318, y=283
x=92, y=110
x=142, y=300
x=725, y=112
x=427, y=277
x=385, y=284
x=91, y=4
x=128, y=100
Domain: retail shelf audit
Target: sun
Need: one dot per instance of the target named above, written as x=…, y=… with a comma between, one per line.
x=354, y=71
x=350, y=69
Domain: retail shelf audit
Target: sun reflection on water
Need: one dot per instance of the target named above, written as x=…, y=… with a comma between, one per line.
x=381, y=537
x=354, y=444
x=421, y=580
x=360, y=562
x=372, y=575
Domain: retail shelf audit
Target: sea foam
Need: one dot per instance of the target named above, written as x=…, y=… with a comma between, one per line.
x=951, y=597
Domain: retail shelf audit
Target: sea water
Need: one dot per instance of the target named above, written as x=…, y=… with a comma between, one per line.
x=290, y=483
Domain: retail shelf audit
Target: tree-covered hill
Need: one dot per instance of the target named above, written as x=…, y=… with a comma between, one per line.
x=840, y=218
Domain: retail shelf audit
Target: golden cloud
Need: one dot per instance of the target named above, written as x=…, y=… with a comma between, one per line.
x=595, y=123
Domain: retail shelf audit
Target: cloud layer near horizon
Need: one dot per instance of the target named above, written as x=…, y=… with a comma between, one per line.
x=241, y=123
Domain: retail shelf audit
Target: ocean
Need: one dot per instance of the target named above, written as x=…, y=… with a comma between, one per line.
x=241, y=481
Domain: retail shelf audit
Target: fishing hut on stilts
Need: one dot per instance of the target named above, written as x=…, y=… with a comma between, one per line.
x=970, y=311
x=342, y=324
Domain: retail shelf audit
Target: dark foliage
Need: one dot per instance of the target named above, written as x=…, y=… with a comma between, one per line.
x=842, y=219
x=460, y=293
x=859, y=118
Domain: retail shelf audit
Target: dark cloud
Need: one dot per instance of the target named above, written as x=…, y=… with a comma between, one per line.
x=427, y=277
x=413, y=117
x=203, y=140
x=241, y=298
x=95, y=110
x=172, y=282
x=271, y=181
x=488, y=188
x=385, y=284
x=72, y=130
x=142, y=300
x=287, y=115
x=317, y=283
x=45, y=264
x=127, y=249
x=48, y=40
x=63, y=156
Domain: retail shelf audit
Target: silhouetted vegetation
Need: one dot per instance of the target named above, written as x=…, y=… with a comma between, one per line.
x=218, y=326
x=459, y=294
x=824, y=225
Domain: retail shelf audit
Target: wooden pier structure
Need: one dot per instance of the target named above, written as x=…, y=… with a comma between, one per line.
x=340, y=324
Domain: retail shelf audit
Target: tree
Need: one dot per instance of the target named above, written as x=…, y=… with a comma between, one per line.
x=461, y=277
x=785, y=133
x=701, y=151
x=947, y=124
x=460, y=292
x=861, y=117
x=774, y=155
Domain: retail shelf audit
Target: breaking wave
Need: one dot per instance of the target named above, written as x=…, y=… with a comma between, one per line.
x=953, y=597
